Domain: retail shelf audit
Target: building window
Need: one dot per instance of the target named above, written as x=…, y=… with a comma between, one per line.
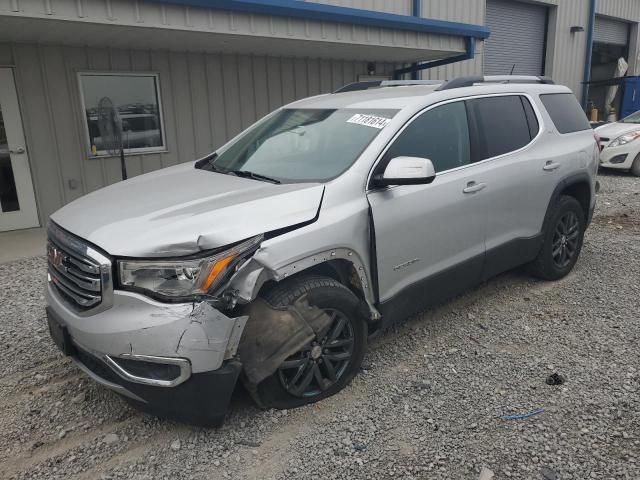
x=122, y=109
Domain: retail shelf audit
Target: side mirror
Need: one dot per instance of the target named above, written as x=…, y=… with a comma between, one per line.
x=406, y=171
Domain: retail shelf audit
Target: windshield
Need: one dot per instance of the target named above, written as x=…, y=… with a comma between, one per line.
x=633, y=118
x=303, y=145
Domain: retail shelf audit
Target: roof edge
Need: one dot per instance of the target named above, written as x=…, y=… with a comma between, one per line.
x=331, y=13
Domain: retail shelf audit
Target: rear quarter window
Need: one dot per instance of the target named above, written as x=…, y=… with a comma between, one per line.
x=565, y=112
x=502, y=125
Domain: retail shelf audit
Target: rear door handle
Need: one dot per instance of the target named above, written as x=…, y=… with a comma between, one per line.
x=550, y=166
x=473, y=187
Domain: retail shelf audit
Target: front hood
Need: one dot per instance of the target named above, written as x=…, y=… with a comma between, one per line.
x=182, y=210
x=614, y=130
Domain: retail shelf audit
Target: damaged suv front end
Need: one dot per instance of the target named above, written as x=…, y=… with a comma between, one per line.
x=154, y=283
x=173, y=350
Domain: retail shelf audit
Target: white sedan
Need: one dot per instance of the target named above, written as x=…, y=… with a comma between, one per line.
x=620, y=144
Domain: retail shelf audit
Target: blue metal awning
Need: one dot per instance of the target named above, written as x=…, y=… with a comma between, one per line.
x=329, y=13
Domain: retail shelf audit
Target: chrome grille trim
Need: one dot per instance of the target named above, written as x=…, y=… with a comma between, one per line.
x=78, y=273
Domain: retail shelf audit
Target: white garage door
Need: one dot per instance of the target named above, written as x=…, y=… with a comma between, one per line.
x=610, y=31
x=517, y=38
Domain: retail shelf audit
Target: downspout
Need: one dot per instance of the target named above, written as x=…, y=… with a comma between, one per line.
x=587, y=61
x=416, y=11
x=470, y=50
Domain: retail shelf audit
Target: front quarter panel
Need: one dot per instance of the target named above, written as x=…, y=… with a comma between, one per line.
x=341, y=231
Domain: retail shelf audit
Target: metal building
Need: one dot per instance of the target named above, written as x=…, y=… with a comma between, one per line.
x=187, y=75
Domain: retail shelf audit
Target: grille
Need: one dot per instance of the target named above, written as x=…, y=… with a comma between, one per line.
x=75, y=275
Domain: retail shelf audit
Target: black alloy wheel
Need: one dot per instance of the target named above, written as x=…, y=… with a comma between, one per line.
x=565, y=239
x=322, y=362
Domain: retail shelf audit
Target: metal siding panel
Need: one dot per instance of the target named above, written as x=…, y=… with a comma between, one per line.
x=569, y=49
x=39, y=134
x=217, y=102
x=313, y=66
x=65, y=140
x=401, y=7
x=199, y=103
x=517, y=37
x=611, y=31
x=247, y=97
x=260, y=86
x=232, y=94
x=161, y=64
x=182, y=98
x=274, y=82
x=288, y=82
x=623, y=9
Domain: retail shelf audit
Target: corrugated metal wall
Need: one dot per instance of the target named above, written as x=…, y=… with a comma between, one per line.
x=207, y=98
x=401, y=7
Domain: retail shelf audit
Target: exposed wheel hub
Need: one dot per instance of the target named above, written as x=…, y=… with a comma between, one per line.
x=316, y=352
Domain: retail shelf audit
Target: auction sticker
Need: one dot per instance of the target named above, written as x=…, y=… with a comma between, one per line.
x=373, y=121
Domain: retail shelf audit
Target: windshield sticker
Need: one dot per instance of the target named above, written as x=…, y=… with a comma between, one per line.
x=369, y=120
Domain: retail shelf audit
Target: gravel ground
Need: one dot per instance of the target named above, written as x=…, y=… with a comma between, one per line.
x=428, y=404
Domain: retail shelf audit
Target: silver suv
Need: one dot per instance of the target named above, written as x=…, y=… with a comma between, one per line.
x=274, y=259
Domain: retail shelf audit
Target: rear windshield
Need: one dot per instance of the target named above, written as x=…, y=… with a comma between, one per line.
x=565, y=111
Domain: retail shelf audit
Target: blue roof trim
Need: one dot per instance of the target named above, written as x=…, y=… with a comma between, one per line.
x=330, y=13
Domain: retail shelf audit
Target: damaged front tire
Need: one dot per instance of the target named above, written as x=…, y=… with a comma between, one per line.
x=327, y=364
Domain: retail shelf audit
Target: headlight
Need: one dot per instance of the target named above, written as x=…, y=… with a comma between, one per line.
x=624, y=139
x=175, y=279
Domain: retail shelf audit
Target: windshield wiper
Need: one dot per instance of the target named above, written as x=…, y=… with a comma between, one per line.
x=254, y=176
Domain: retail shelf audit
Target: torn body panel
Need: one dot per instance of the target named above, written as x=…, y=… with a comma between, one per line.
x=136, y=325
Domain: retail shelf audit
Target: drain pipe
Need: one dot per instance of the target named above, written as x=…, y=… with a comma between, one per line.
x=587, y=61
x=416, y=12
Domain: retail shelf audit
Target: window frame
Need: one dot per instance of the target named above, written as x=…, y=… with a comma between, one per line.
x=472, y=125
x=127, y=151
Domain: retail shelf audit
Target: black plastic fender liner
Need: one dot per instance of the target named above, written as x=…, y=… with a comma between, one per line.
x=272, y=334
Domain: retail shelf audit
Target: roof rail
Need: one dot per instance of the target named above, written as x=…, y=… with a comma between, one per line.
x=472, y=80
x=353, y=87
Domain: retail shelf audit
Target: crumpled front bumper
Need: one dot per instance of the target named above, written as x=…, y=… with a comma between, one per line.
x=175, y=360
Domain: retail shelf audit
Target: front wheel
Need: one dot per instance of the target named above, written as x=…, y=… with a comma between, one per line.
x=635, y=166
x=562, y=240
x=327, y=364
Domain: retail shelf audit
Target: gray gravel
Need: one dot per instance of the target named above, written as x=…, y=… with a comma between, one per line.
x=428, y=404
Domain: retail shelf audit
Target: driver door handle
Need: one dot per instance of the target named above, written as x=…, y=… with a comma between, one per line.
x=17, y=151
x=473, y=187
x=550, y=166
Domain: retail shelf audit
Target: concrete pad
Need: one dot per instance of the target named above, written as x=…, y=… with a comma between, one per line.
x=19, y=244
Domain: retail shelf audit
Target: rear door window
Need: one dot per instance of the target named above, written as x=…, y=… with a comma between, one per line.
x=440, y=134
x=565, y=112
x=501, y=125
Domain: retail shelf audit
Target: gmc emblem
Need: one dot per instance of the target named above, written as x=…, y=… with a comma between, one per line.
x=56, y=257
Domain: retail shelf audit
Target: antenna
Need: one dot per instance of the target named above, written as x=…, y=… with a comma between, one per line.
x=512, y=69
x=110, y=127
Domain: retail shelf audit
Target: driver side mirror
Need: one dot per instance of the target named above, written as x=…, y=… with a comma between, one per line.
x=406, y=171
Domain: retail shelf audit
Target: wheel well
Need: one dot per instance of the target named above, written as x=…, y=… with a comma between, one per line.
x=340, y=270
x=581, y=192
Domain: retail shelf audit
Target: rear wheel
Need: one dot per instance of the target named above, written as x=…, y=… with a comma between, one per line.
x=327, y=364
x=562, y=241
